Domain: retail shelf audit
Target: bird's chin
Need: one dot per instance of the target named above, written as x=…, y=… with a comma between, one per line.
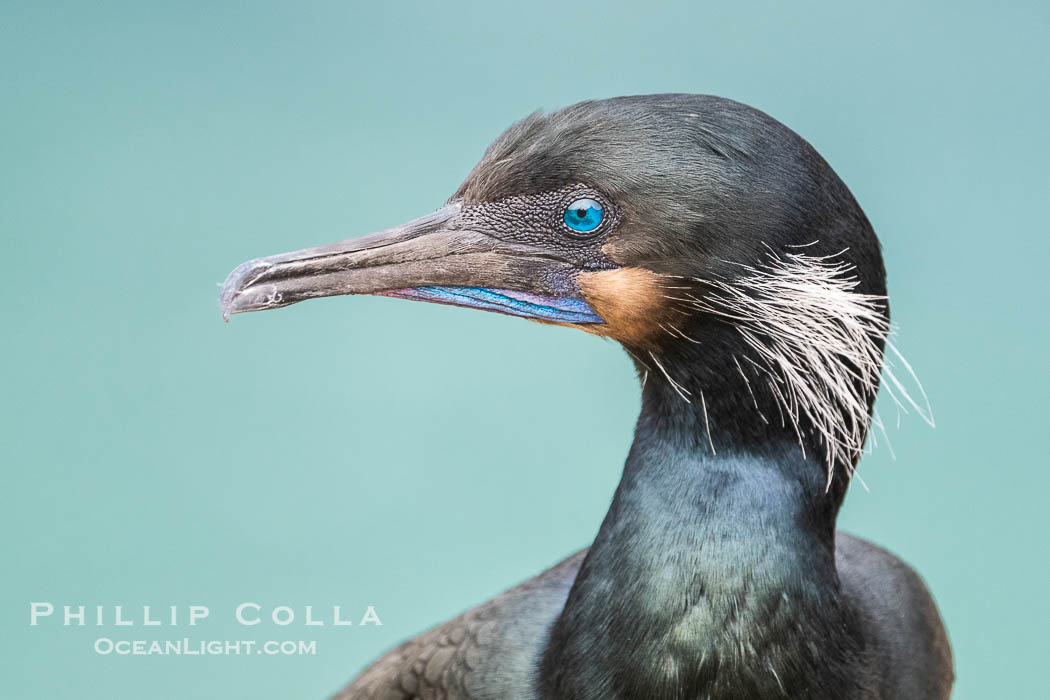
x=539, y=307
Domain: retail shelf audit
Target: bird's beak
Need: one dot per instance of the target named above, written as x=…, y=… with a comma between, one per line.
x=433, y=258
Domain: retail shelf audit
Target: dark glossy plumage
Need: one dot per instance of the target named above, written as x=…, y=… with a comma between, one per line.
x=491, y=651
x=747, y=285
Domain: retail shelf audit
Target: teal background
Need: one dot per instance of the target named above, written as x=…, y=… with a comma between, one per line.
x=419, y=458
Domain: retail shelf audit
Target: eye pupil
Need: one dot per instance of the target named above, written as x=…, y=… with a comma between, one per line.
x=583, y=215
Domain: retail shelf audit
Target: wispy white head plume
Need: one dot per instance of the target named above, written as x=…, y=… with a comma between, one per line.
x=816, y=344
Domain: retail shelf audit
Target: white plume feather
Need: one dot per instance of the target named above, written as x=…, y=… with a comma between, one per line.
x=816, y=344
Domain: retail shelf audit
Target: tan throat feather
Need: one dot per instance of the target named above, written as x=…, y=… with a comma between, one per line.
x=815, y=344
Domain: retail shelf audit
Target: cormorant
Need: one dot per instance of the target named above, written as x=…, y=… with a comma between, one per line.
x=744, y=280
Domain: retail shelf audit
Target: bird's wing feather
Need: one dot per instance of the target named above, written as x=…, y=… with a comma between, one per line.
x=490, y=651
x=912, y=656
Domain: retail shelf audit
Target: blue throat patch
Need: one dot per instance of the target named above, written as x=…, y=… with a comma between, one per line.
x=560, y=309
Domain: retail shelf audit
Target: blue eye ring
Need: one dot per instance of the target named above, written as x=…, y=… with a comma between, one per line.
x=584, y=215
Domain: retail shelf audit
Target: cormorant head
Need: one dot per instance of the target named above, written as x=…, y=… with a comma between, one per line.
x=707, y=238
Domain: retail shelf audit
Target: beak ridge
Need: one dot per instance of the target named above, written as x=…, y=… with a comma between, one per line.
x=428, y=253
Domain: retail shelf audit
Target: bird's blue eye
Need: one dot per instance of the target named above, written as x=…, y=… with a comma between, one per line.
x=583, y=215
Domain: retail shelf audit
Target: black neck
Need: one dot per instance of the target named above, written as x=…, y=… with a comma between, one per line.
x=711, y=396
x=713, y=574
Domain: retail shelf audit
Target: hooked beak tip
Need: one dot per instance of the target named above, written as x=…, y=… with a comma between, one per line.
x=232, y=298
